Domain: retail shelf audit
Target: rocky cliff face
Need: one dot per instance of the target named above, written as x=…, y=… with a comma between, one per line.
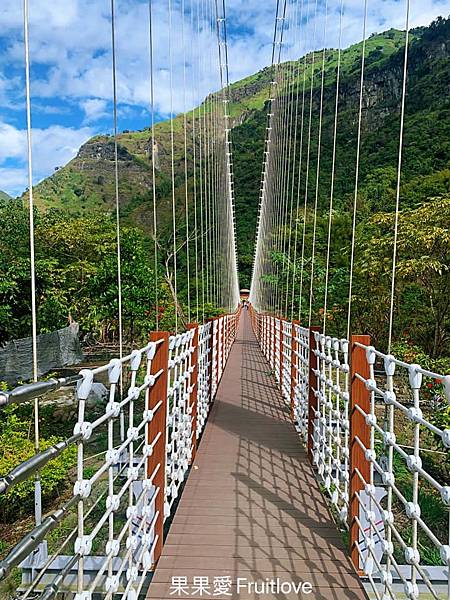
x=103, y=150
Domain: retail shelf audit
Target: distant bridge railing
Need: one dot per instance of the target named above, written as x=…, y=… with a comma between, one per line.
x=133, y=456
x=361, y=415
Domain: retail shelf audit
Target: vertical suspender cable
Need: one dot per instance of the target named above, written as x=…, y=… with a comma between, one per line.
x=116, y=177
x=389, y=414
x=152, y=141
x=286, y=179
x=204, y=165
x=276, y=157
x=300, y=165
x=194, y=174
x=186, y=196
x=119, y=264
x=319, y=151
x=261, y=293
x=292, y=177
x=333, y=168
x=200, y=165
x=229, y=182
x=209, y=178
x=308, y=157
x=358, y=156
x=285, y=112
x=172, y=162
x=116, y=193
x=37, y=482
x=399, y=176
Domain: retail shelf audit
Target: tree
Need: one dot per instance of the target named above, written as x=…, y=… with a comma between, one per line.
x=422, y=274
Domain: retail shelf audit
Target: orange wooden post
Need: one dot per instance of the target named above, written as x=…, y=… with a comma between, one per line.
x=218, y=344
x=312, y=380
x=225, y=339
x=193, y=397
x=294, y=366
x=222, y=344
x=265, y=333
x=280, y=350
x=158, y=393
x=210, y=358
x=274, y=345
x=360, y=396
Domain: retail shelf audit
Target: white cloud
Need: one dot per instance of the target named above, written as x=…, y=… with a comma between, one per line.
x=71, y=60
x=73, y=45
x=94, y=109
x=52, y=147
x=12, y=142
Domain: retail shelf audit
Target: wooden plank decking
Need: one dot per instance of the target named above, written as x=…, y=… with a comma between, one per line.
x=251, y=507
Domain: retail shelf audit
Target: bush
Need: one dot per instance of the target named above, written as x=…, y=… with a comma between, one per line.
x=16, y=447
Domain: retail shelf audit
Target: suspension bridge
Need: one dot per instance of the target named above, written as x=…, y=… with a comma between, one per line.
x=250, y=454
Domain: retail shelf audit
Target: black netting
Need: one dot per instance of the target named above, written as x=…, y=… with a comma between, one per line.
x=55, y=350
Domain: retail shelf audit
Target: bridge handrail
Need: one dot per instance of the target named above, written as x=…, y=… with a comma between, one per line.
x=345, y=401
x=157, y=405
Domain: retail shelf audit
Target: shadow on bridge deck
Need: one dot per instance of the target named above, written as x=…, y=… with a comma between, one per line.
x=251, y=508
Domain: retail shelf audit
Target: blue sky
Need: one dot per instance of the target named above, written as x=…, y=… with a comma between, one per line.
x=71, y=65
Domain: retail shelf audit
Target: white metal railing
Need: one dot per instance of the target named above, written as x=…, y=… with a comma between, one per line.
x=133, y=456
x=361, y=415
x=286, y=359
x=331, y=426
x=204, y=368
x=300, y=379
x=392, y=531
x=179, y=415
x=119, y=480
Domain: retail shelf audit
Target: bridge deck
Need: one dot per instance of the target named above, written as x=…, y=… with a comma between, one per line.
x=251, y=507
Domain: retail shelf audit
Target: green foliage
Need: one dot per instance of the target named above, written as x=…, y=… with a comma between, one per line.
x=422, y=274
x=85, y=187
x=411, y=353
x=432, y=511
x=16, y=446
x=76, y=271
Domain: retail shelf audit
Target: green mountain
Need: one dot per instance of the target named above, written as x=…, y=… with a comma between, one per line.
x=4, y=196
x=86, y=183
x=75, y=245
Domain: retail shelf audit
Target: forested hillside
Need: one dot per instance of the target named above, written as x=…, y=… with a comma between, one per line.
x=85, y=186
